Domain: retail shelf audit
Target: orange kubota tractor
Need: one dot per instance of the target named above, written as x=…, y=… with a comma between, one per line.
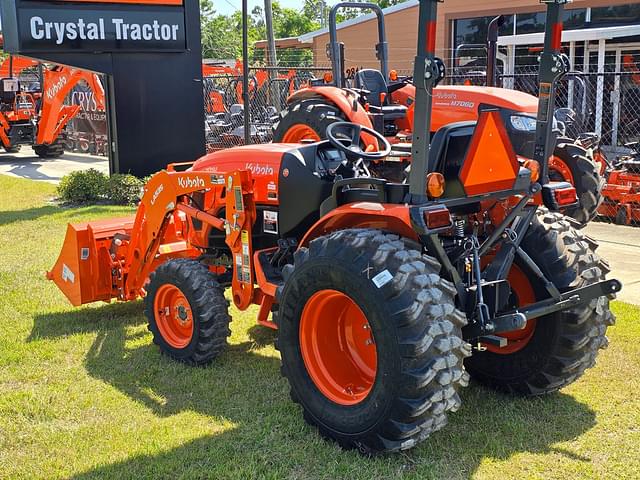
x=386, y=296
x=384, y=101
x=34, y=113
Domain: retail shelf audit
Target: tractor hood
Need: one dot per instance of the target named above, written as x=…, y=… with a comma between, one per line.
x=458, y=103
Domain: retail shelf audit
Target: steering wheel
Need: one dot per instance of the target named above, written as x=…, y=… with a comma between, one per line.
x=345, y=136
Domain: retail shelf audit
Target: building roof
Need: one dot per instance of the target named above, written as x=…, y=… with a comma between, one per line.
x=308, y=37
x=288, y=42
x=607, y=33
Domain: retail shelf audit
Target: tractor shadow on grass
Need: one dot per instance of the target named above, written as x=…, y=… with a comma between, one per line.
x=72, y=211
x=267, y=436
x=11, y=216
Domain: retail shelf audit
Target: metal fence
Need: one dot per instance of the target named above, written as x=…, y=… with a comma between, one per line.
x=268, y=91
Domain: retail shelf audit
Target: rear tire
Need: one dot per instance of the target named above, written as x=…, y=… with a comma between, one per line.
x=416, y=332
x=201, y=335
x=586, y=179
x=315, y=114
x=564, y=344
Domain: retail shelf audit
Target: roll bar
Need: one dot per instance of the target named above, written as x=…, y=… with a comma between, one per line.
x=425, y=77
x=335, y=48
x=552, y=68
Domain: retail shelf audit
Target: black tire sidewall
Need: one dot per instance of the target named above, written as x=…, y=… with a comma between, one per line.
x=322, y=273
x=162, y=278
x=314, y=113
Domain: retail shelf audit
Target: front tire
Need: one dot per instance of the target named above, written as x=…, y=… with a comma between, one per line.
x=187, y=312
x=562, y=345
x=370, y=340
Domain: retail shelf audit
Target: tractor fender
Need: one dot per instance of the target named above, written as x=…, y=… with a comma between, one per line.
x=346, y=101
x=388, y=217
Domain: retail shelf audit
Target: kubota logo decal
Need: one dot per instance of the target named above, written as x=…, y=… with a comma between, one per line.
x=191, y=182
x=258, y=169
x=56, y=87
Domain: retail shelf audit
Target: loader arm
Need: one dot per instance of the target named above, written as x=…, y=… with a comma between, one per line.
x=160, y=204
x=156, y=208
x=57, y=84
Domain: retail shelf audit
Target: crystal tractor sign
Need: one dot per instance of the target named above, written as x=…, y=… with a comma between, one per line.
x=151, y=53
x=114, y=29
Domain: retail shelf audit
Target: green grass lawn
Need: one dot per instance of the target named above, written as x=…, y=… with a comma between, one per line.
x=85, y=394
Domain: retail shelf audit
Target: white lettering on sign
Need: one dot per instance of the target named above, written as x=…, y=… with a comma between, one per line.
x=83, y=30
x=191, y=182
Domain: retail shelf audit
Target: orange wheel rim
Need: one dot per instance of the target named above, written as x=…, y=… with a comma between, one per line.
x=299, y=132
x=561, y=169
x=338, y=348
x=173, y=316
x=525, y=295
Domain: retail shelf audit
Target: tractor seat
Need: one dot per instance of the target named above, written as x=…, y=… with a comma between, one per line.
x=374, y=82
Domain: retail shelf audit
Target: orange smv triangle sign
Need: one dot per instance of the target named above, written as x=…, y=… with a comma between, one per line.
x=491, y=164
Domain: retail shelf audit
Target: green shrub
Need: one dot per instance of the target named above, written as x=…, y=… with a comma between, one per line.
x=83, y=187
x=124, y=189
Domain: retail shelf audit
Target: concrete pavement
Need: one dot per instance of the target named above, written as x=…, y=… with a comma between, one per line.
x=620, y=246
x=27, y=164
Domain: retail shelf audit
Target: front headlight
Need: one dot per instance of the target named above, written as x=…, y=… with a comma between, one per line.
x=523, y=123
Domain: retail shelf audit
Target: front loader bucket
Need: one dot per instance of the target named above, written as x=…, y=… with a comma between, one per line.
x=84, y=268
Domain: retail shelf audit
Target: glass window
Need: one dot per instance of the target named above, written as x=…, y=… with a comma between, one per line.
x=535, y=22
x=474, y=30
x=530, y=22
x=615, y=15
x=575, y=19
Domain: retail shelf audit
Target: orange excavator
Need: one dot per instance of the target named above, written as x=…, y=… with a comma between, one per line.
x=34, y=112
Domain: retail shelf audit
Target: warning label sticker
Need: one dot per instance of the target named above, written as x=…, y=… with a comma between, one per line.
x=270, y=222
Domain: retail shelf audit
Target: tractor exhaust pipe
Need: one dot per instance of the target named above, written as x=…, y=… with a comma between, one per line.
x=492, y=49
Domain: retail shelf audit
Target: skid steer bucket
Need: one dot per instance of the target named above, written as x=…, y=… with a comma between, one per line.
x=83, y=271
